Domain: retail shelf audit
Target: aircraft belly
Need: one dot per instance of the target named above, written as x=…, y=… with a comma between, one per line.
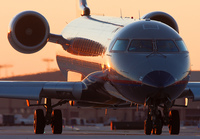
x=138, y=93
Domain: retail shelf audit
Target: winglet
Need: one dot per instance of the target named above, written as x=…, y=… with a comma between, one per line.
x=85, y=9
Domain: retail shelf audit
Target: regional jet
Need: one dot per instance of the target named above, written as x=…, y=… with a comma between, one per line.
x=122, y=61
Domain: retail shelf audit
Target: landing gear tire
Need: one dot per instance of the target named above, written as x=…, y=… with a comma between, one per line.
x=158, y=128
x=56, y=122
x=147, y=127
x=158, y=124
x=39, y=121
x=174, y=122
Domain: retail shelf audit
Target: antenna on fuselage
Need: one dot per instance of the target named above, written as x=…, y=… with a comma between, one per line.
x=120, y=13
x=85, y=9
x=139, y=15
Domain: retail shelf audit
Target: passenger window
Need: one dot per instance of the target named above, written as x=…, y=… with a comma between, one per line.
x=141, y=46
x=181, y=46
x=120, y=45
x=166, y=46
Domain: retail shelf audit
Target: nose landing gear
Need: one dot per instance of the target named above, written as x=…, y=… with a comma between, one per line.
x=155, y=121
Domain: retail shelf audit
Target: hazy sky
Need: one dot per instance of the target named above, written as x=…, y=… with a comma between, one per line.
x=60, y=12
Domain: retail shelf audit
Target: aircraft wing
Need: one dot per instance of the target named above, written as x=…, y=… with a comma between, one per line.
x=85, y=93
x=192, y=91
x=37, y=90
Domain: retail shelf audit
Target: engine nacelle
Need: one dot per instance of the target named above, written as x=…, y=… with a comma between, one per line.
x=164, y=18
x=28, y=32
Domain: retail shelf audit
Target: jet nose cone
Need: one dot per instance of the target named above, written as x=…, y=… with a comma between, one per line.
x=158, y=79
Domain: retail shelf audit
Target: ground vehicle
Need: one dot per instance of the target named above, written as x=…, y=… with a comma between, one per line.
x=20, y=120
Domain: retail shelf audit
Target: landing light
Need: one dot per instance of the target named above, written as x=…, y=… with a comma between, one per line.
x=186, y=101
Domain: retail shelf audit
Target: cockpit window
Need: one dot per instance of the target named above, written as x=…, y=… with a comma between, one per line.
x=120, y=45
x=181, y=46
x=141, y=46
x=166, y=46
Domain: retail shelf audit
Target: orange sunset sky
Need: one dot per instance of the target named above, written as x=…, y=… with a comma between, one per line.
x=60, y=12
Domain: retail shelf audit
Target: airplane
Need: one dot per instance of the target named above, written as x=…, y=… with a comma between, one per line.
x=122, y=61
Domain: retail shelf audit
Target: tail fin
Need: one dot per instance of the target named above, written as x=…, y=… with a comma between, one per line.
x=85, y=9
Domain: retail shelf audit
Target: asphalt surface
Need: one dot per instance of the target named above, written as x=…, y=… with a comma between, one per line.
x=93, y=132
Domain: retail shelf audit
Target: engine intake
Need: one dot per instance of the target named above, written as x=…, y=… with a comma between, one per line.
x=29, y=32
x=164, y=18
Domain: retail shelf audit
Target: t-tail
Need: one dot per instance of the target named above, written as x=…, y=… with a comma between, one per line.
x=84, y=7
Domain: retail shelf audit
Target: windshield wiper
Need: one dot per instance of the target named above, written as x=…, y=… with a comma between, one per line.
x=155, y=51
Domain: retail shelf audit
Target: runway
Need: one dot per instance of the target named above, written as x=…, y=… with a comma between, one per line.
x=93, y=132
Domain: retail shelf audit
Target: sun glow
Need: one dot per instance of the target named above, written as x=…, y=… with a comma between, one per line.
x=108, y=66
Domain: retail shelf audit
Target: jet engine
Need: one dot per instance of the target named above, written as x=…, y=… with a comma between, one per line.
x=164, y=18
x=28, y=32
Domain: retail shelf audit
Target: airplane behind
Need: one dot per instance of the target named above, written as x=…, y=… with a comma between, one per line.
x=122, y=61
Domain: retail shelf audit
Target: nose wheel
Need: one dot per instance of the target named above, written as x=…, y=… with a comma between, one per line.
x=155, y=121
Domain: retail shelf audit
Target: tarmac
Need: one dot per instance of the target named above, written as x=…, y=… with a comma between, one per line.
x=94, y=132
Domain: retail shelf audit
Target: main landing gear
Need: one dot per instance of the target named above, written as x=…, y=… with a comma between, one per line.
x=155, y=121
x=52, y=117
